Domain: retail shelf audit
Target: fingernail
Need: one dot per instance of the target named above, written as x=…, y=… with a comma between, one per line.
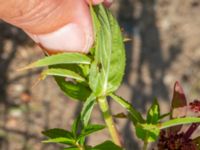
x=108, y=3
x=69, y=38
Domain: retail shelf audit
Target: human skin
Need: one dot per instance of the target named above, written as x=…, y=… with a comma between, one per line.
x=56, y=25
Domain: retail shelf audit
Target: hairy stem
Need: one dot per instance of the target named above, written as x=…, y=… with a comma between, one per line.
x=109, y=121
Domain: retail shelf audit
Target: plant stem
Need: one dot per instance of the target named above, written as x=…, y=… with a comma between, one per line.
x=103, y=104
x=145, y=145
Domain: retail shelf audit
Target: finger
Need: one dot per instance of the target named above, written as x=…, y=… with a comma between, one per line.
x=95, y=2
x=63, y=25
x=108, y=3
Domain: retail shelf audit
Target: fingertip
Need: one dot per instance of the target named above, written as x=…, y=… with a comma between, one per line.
x=108, y=3
x=95, y=2
x=70, y=38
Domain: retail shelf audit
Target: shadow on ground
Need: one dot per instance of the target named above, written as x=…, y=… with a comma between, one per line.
x=11, y=39
x=145, y=69
x=144, y=56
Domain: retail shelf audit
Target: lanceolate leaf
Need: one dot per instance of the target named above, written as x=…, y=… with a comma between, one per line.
x=63, y=58
x=178, y=105
x=179, y=102
x=108, y=67
x=179, y=121
x=107, y=145
x=62, y=73
x=61, y=140
x=54, y=133
x=153, y=115
x=77, y=91
x=75, y=126
x=89, y=129
x=135, y=115
x=59, y=136
x=87, y=109
x=147, y=132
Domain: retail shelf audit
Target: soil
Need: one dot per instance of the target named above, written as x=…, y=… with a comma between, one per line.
x=164, y=48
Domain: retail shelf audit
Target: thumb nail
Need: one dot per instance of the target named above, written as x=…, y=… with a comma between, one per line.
x=69, y=38
x=108, y=3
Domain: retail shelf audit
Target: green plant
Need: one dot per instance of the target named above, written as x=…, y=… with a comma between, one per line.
x=94, y=77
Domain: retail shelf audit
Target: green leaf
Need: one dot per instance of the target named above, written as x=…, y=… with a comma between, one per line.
x=87, y=109
x=179, y=121
x=59, y=136
x=153, y=114
x=63, y=58
x=62, y=73
x=54, y=133
x=61, y=140
x=89, y=129
x=107, y=145
x=147, y=132
x=135, y=115
x=81, y=69
x=108, y=66
x=75, y=126
x=77, y=91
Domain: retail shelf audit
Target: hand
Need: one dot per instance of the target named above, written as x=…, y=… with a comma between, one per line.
x=56, y=25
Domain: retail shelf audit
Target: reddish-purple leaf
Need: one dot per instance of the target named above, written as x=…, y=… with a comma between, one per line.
x=179, y=99
x=178, y=105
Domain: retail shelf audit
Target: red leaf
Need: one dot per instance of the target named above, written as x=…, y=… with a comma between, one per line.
x=178, y=105
x=179, y=99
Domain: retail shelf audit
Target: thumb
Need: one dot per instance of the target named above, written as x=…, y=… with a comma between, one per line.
x=57, y=25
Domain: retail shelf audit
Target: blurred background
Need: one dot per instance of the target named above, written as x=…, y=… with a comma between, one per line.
x=164, y=48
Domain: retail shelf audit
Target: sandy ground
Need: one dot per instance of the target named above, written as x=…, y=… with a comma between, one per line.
x=164, y=48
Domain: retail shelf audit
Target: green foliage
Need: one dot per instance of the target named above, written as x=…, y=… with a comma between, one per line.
x=108, y=66
x=179, y=121
x=75, y=126
x=87, y=109
x=77, y=91
x=147, y=132
x=72, y=138
x=59, y=136
x=63, y=58
x=89, y=129
x=135, y=116
x=61, y=73
x=153, y=114
x=107, y=145
x=92, y=78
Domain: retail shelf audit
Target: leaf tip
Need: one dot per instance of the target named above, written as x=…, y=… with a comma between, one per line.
x=26, y=67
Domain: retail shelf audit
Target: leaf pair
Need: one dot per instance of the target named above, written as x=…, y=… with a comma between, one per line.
x=71, y=138
x=70, y=71
x=75, y=140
